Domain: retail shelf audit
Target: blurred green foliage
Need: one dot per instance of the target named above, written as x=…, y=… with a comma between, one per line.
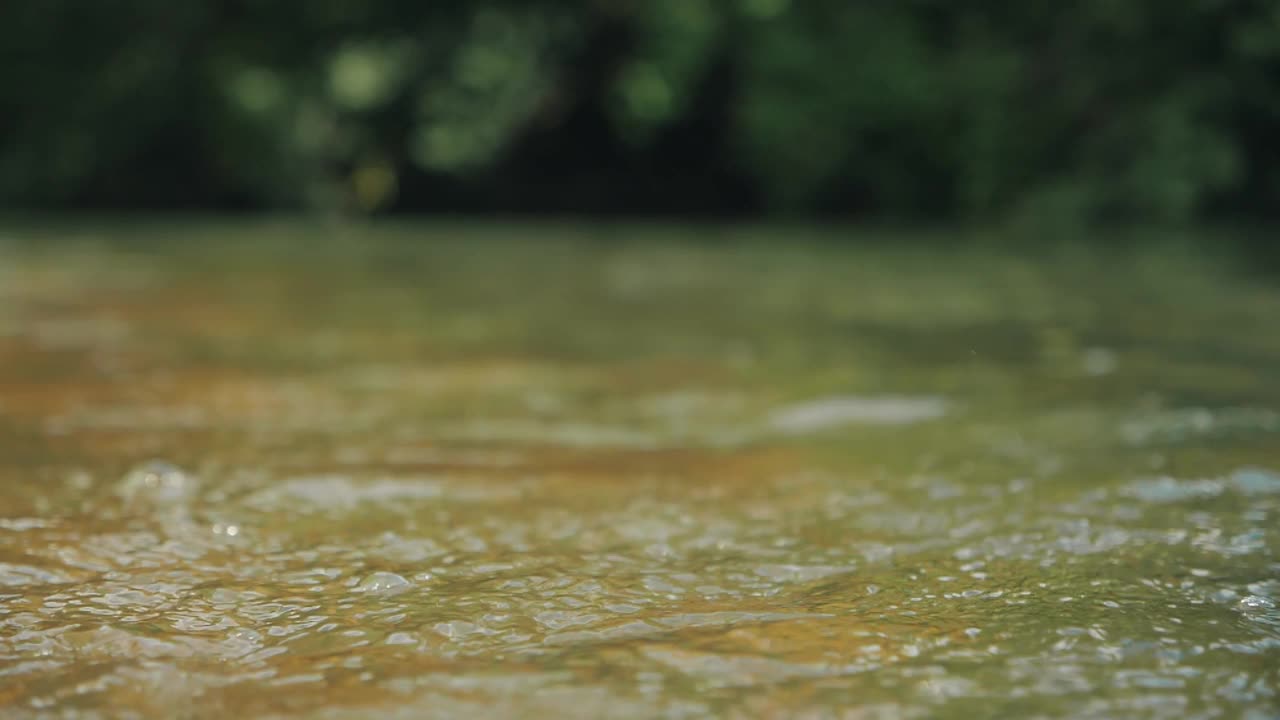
x=1037, y=111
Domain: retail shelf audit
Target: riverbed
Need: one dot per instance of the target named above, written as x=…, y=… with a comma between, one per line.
x=281, y=469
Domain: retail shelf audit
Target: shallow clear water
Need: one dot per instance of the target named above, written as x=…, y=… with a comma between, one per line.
x=272, y=470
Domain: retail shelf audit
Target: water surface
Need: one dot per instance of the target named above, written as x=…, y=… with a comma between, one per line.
x=271, y=470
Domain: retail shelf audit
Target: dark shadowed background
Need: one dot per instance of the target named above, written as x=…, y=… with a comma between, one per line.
x=1099, y=110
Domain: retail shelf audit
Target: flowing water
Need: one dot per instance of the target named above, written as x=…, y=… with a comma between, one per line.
x=267, y=470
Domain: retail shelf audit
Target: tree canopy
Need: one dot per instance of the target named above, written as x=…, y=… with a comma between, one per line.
x=898, y=109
